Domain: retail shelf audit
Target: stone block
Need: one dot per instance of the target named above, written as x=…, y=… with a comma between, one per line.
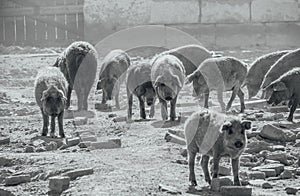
x=58, y=184
x=283, y=34
x=217, y=183
x=73, y=174
x=15, y=180
x=236, y=191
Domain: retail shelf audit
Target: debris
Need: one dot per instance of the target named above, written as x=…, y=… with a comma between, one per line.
x=4, y=192
x=91, y=138
x=112, y=115
x=175, y=139
x=179, y=133
x=15, y=180
x=73, y=141
x=168, y=189
x=278, y=168
x=58, y=184
x=29, y=149
x=256, y=175
x=217, y=183
x=286, y=174
x=51, y=146
x=119, y=119
x=4, y=140
x=78, y=121
x=84, y=144
x=275, y=133
x=269, y=172
x=40, y=149
x=278, y=156
x=5, y=162
x=183, y=151
x=73, y=174
x=266, y=185
x=236, y=191
x=110, y=144
x=291, y=190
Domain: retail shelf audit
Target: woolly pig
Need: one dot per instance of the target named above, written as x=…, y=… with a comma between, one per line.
x=79, y=65
x=220, y=74
x=50, y=91
x=286, y=88
x=139, y=83
x=216, y=135
x=284, y=64
x=112, y=73
x=191, y=56
x=258, y=70
x=167, y=75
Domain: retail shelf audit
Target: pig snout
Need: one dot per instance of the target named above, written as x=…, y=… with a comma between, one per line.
x=238, y=144
x=168, y=98
x=149, y=102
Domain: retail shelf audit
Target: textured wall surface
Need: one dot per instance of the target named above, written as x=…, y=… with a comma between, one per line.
x=214, y=23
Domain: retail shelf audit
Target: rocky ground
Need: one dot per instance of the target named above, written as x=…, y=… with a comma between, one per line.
x=104, y=155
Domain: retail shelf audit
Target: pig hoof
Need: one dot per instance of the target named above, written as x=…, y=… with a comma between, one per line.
x=44, y=134
x=290, y=119
x=62, y=135
x=52, y=135
x=193, y=183
x=172, y=118
x=237, y=183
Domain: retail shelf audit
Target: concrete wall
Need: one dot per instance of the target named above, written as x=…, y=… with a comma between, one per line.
x=214, y=23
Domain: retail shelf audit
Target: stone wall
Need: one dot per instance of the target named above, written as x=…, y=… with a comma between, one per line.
x=214, y=23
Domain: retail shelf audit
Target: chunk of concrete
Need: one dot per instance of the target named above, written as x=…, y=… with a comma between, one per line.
x=73, y=174
x=15, y=180
x=58, y=184
x=236, y=191
x=217, y=183
x=256, y=175
x=73, y=141
x=286, y=174
x=277, y=134
x=291, y=190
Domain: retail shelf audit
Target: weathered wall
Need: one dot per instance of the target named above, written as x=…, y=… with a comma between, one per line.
x=215, y=23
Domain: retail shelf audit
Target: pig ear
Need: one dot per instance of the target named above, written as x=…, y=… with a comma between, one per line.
x=280, y=87
x=61, y=95
x=140, y=90
x=157, y=81
x=99, y=84
x=246, y=124
x=226, y=125
x=178, y=82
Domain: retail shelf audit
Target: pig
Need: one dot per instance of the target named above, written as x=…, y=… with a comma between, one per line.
x=191, y=56
x=167, y=76
x=286, y=87
x=112, y=73
x=50, y=94
x=258, y=70
x=138, y=82
x=284, y=64
x=220, y=74
x=78, y=63
x=213, y=134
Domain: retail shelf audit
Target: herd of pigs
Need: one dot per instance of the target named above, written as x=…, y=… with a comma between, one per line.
x=276, y=75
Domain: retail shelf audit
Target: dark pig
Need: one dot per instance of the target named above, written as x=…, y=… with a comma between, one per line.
x=216, y=135
x=112, y=73
x=286, y=88
x=79, y=65
x=191, y=56
x=220, y=74
x=50, y=90
x=138, y=83
x=167, y=75
x=284, y=64
x=258, y=70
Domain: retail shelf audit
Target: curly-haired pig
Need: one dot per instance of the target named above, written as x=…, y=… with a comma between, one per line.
x=112, y=73
x=220, y=74
x=50, y=91
x=216, y=135
x=258, y=70
x=191, y=56
x=286, y=87
x=79, y=65
x=167, y=76
x=138, y=82
x=284, y=64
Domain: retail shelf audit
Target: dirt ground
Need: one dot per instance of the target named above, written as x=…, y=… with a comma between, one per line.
x=144, y=161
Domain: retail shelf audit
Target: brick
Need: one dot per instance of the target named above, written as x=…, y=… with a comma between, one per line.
x=5, y=192
x=172, y=12
x=217, y=183
x=286, y=174
x=58, y=184
x=291, y=190
x=110, y=144
x=90, y=138
x=283, y=34
x=236, y=191
x=80, y=121
x=73, y=141
x=15, y=180
x=5, y=162
x=228, y=11
x=256, y=175
x=266, y=185
x=278, y=168
x=4, y=140
x=269, y=172
x=274, y=10
x=73, y=174
x=84, y=144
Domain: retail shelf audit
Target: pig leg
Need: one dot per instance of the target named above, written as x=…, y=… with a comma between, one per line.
x=129, y=110
x=206, y=97
x=52, y=126
x=164, y=111
x=173, y=109
x=192, y=177
x=220, y=99
x=69, y=92
x=263, y=94
x=235, y=170
x=204, y=165
x=295, y=103
x=117, y=97
x=233, y=95
x=45, y=124
x=242, y=99
x=142, y=108
x=60, y=125
x=216, y=160
x=85, y=99
x=103, y=97
x=152, y=111
x=79, y=100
